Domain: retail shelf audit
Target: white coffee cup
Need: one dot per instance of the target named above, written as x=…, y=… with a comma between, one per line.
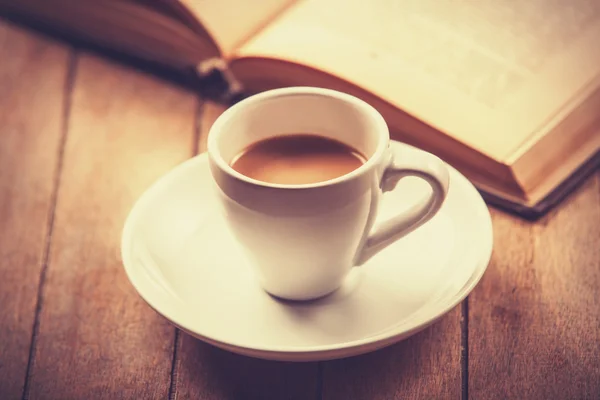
x=304, y=239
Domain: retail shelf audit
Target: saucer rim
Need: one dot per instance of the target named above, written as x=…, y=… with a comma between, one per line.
x=432, y=312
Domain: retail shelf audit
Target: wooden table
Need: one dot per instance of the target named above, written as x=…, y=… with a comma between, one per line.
x=82, y=137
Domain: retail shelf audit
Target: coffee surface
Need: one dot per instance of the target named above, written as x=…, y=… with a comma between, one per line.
x=297, y=159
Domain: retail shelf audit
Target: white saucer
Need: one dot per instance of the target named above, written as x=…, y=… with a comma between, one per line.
x=181, y=258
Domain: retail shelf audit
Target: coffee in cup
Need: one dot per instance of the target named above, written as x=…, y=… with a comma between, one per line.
x=300, y=173
x=294, y=159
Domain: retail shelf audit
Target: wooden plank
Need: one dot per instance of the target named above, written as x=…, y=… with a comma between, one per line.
x=97, y=337
x=534, y=321
x=202, y=371
x=205, y=372
x=424, y=366
x=33, y=74
x=209, y=113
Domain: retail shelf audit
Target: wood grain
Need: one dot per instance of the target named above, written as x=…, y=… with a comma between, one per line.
x=97, y=338
x=534, y=322
x=425, y=366
x=209, y=113
x=33, y=73
x=205, y=372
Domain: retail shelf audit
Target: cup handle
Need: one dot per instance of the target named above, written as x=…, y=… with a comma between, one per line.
x=419, y=164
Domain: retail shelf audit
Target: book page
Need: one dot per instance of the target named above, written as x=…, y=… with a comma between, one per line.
x=231, y=22
x=489, y=73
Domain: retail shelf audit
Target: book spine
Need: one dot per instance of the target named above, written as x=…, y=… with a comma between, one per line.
x=217, y=65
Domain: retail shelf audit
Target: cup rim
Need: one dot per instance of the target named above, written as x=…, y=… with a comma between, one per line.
x=376, y=120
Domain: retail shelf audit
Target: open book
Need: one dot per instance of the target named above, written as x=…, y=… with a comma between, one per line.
x=508, y=92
